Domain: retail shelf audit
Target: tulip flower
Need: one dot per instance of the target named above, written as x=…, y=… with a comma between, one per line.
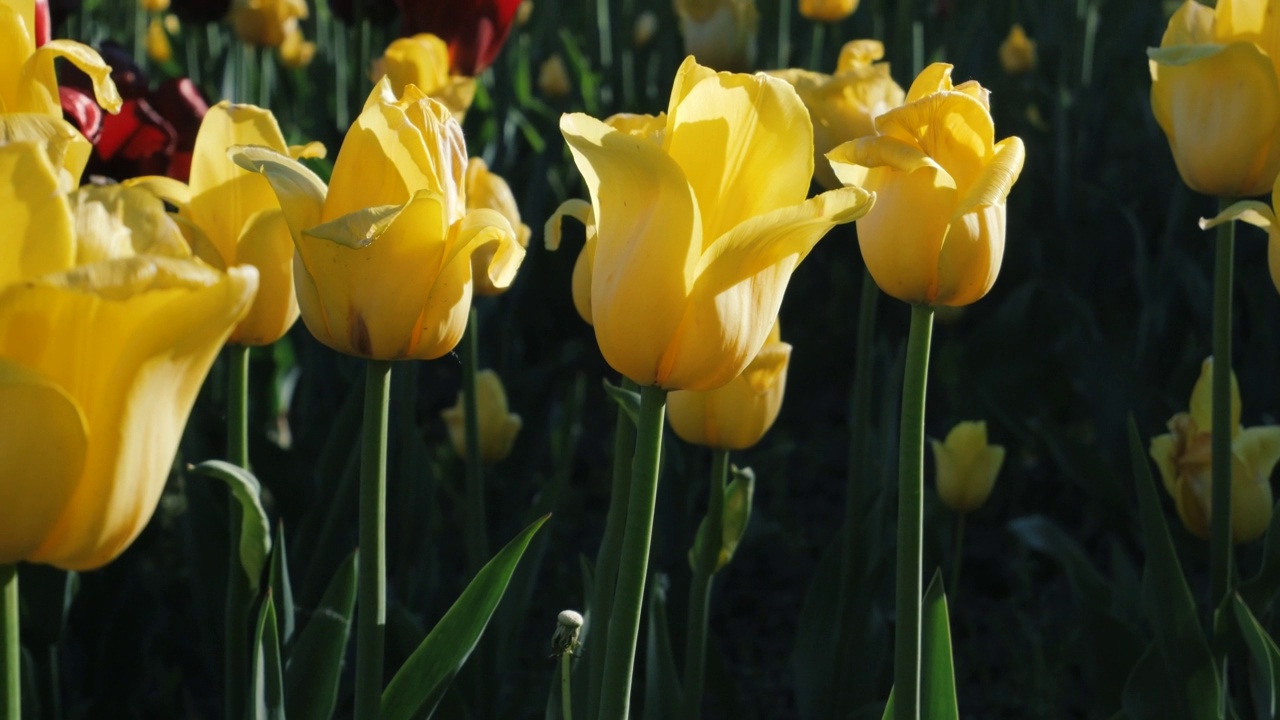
x=1183, y=456
x=231, y=217
x=1260, y=215
x=474, y=30
x=967, y=466
x=553, y=78
x=423, y=60
x=266, y=22
x=296, y=51
x=488, y=190
x=720, y=33
x=936, y=233
x=154, y=6
x=1018, y=52
x=1215, y=93
x=159, y=49
x=828, y=10
x=844, y=106
x=498, y=426
x=699, y=217
x=27, y=80
x=736, y=416
x=107, y=329
x=383, y=254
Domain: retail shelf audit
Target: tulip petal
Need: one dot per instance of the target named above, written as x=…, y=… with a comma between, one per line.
x=648, y=243
x=43, y=442
x=997, y=177
x=301, y=193
x=200, y=244
x=1259, y=448
x=16, y=46
x=1163, y=451
x=1191, y=24
x=114, y=221
x=358, y=229
x=768, y=364
x=313, y=150
x=688, y=75
x=1256, y=21
x=745, y=145
x=1202, y=400
x=68, y=150
x=582, y=267
x=971, y=255
x=935, y=78
x=37, y=217
x=265, y=244
x=741, y=281
x=1255, y=213
x=152, y=326
x=952, y=128
x=903, y=258
x=38, y=85
x=174, y=192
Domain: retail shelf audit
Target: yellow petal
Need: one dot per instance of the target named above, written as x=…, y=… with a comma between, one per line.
x=1202, y=400
x=223, y=196
x=649, y=238
x=1259, y=449
x=971, y=255
x=933, y=79
x=1164, y=451
x=1255, y=452
x=67, y=149
x=901, y=237
x=37, y=217
x=489, y=190
x=733, y=417
x=1191, y=24
x=1254, y=21
x=313, y=150
x=114, y=221
x=1194, y=506
x=1251, y=211
x=38, y=85
x=266, y=244
x=952, y=128
x=130, y=341
x=174, y=192
x=966, y=466
x=745, y=145
x=421, y=60
x=17, y=45
x=740, y=284
x=582, y=267
x=300, y=192
x=200, y=244
x=43, y=442
x=688, y=75
x=768, y=365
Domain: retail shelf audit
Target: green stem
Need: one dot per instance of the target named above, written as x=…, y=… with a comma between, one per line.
x=11, y=657
x=957, y=556
x=1220, y=533
x=708, y=556
x=906, y=660
x=372, y=599
x=816, y=45
x=633, y=565
x=624, y=448
x=566, y=697
x=52, y=686
x=477, y=527
x=239, y=597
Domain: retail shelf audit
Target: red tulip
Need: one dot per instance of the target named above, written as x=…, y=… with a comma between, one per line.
x=474, y=29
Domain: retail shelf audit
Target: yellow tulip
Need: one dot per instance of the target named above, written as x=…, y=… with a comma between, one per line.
x=828, y=10
x=107, y=329
x=266, y=22
x=553, y=78
x=154, y=6
x=489, y=190
x=28, y=83
x=736, y=416
x=936, y=233
x=159, y=49
x=699, y=217
x=720, y=33
x=1184, y=457
x=844, y=106
x=1018, y=52
x=966, y=466
x=383, y=254
x=423, y=60
x=1215, y=93
x=66, y=148
x=498, y=426
x=296, y=51
x=1261, y=215
x=645, y=28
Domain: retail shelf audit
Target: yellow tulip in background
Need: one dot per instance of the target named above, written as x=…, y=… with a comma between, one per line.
x=231, y=217
x=844, y=106
x=966, y=466
x=266, y=22
x=1261, y=215
x=1183, y=456
x=553, y=77
x=498, y=426
x=1215, y=93
x=107, y=329
x=699, y=217
x=488, y=190
x=736, y=416
x=720, y=33
x=828, y=10
x=159, y=49
x=1018, y=52
x=423, y=60
x=296, y=51
x=936, y=233
x=383, y=254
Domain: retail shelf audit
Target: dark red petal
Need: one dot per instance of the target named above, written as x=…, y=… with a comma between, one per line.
x=42, y=22
x=80, y=109
x=180, y=103
x=474, y=29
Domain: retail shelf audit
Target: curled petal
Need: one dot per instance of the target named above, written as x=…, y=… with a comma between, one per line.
x=38, y=85
x=300, y=192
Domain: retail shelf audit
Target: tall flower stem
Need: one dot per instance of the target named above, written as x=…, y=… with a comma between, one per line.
x=1220, y=534
x=372, y=592
x=239, y=597
x=11, y=654
x=566, y=691
x=957, y=555
x=906, y=659
x=624, y=448
x=708, y=557
x=477, y=526
x=633, y=565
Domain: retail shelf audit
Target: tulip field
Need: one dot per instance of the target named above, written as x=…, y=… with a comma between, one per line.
x=654, y=359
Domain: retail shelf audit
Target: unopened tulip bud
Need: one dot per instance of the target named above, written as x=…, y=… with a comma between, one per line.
x=966, y=466
x=1018, y=52
x=553, y=78
x=738, y=495
x=498, y=427
x=828, y=10
x=524, y=12
x=159, y=48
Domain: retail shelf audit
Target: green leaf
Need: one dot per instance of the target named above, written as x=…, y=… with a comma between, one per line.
x=268, y=686
x=1259, y=590
x=255, y=530
x=417, y=687
x=737, y=513
x=315, y=664
x=281, y=588
x=1148, y=693
x=1263, y=653
x=662, y=681
x=1168, y=601
x=628, y=400
x=937, y=673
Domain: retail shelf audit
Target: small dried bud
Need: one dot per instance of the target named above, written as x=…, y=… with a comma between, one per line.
x=565, y=640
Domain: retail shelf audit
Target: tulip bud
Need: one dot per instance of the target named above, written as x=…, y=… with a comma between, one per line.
x=646, y=27
x=266, y=22
x=966, y=466
x=498, y=427
x=155, y=6
x=720, y=33
x=553, y=78
x=158, y=47
x=738, y=495
x=296, y=51
x=423, y=60
x=828, y=10
x=1018, y=52
x=523, y=13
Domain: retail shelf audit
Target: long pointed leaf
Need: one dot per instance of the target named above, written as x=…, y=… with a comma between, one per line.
x=937, y=673
x=268, y=685
x=418, y=686
x=662, y=693
x=281, y=587
x=1263, y=653
x=255, y=530
x=315, y=663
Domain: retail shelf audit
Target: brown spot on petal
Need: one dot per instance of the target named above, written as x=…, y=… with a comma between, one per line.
x=359, y=333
